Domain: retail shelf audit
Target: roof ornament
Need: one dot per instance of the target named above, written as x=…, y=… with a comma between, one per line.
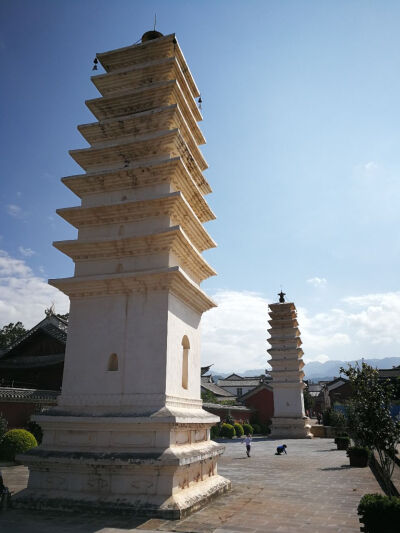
x=200, y=101
x=50, y=311
x=281, y=297
x=95, y=61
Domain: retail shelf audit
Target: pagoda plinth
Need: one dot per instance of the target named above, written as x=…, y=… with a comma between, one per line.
x=289, y=420
x=129, y=432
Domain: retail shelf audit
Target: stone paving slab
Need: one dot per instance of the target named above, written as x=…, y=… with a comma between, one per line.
x=312, y=489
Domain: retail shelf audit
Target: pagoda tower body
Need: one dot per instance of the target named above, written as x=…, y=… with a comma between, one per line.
x=129, y=431
x=289, y=420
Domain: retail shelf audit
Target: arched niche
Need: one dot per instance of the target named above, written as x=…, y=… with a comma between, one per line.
x=185, y=361
x=113, y=362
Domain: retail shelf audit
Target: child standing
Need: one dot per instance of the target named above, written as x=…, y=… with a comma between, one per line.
x=247, y=441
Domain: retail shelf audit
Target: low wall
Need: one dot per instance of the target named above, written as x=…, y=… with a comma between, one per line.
x=324, y=432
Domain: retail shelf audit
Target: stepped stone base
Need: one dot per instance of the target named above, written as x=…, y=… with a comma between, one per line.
x=291, y=428
x=124, y=466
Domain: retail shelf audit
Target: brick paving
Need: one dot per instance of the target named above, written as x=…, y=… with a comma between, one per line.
x=311, y=489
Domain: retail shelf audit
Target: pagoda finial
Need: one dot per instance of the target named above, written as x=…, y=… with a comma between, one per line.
x=152, y=34
x=281, y=297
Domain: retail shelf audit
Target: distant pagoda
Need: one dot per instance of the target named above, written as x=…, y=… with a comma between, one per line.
x=129, y=431
x=289, y=420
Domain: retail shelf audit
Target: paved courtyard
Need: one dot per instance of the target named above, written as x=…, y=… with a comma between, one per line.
x=311, y=489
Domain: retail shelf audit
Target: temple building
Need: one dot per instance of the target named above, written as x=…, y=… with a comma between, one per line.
x=36, y=360
x=129, y=431
x=289, y=420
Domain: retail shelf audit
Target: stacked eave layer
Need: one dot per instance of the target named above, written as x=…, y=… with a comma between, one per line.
x=286, y=353
x=140, y=221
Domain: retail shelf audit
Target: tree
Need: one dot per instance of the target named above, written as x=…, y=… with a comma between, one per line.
x=10, y=333
x=309, y=401
x=208, y=397
x=369, y=417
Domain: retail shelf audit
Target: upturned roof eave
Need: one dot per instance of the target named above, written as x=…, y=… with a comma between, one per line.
x=128, y=211
x=106, y=58
x=176, y=281
x=79, y=184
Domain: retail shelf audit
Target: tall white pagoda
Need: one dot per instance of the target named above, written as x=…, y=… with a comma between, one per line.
x=289, y=420
x=129, y=431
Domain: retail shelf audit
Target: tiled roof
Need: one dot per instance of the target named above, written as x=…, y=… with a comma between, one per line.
x=32, y=361
x=212, y=387
x=205, y=369
x=23, y=395
x=389, y=372
x=315, y=387
x=245, y=382
x=337, y=382
x=225, y=407
x=234, y=377
x=52, y=325
x=262, y=385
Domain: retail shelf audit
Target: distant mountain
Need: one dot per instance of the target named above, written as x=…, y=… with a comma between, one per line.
x=326, y=371
x=320, y=371
x=223, y=375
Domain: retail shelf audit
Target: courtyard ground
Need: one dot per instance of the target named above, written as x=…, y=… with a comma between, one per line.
x=311, y=489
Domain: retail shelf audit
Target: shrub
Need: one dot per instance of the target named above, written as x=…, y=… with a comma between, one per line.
x=361, y=451
x=371, y=423
x=3, y=426
x=342, y=443
x=330, y=417
x=379, y=513
x=248, y=429
x=214, y=432
x=358, y=455
x=256, y=428
x=339, y=435
x=36, y=430
x=238, y=429
x=228, y=431
x=265, y=429
x=16, y=441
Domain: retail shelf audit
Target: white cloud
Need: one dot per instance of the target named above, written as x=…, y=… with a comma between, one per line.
x=235, y=333
x=317, y=282
x=14, y=210
x=26, y=252
x=23, y=295
x=370, y=167
x=366, y=169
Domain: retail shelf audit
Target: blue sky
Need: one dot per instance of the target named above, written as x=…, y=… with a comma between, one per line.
x=301, y=117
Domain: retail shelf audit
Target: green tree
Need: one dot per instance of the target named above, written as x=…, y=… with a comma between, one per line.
x=309, y=401
x=208, y=397
x=10, y=333
x=369, y=419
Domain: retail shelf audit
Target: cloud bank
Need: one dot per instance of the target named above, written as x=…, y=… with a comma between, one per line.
x=23, y=295
x=235, y=333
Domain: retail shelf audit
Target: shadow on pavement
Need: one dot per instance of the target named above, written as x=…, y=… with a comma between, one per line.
x=343, y=467
x=23, y=521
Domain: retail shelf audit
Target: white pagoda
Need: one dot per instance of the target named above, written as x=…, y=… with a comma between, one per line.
x=289, y=420
x=129, y=431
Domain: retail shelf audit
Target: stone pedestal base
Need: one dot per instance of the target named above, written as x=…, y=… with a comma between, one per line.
x=291, y=428
x=163, y=465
